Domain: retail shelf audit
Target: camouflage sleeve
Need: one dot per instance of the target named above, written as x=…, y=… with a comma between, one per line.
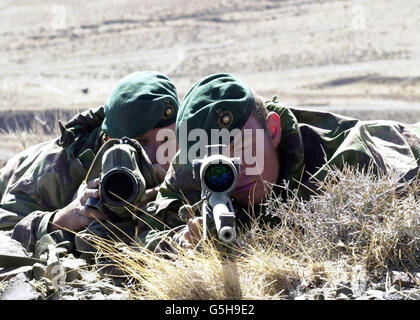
x=32, y=228
x=411, y=133
x=16, y=203
x=7, y=171
x=385, y=145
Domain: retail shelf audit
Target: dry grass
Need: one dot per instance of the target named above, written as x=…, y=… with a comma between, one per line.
x=352, y=235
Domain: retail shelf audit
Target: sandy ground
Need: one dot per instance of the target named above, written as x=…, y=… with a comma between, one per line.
x=310, y=52
x=343, y=55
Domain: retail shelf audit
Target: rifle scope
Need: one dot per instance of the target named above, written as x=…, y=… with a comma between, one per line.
x=218, y=174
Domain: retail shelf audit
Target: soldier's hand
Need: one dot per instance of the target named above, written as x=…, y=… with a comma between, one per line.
x=159, y=171
x=150, y=194
x=194, y=230
x=76, y=215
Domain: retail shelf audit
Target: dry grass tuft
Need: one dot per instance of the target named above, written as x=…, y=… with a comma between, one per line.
x=370, y=219
x=358, y=228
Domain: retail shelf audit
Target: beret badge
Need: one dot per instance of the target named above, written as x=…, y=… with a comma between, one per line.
x=224, y=118
x=169, y=110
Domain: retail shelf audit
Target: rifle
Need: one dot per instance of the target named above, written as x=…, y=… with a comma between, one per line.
x=218, y=175
x=125, y=172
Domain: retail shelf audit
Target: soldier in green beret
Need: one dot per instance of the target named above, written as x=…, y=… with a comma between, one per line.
x=298, y=146
x=41, y=188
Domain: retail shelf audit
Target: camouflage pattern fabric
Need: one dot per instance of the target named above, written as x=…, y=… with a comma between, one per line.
x=311, y=140
x=45, y=177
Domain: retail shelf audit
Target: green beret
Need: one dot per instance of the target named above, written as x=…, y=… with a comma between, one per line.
x=139, y=102
x=217, y=101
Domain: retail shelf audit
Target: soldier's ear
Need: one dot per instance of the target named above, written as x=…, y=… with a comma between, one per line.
x=273, y=124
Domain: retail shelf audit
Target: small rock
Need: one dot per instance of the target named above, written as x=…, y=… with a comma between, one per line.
x=345, y=291
x=91, y=293
x=118, y=296
x=342, y=296
x=374, y=294
x=401, y=280
x=377, y=286
x=85, y=90
x=415, y=295
x=393, y=296
x=9, y=273
x=55, y=272
x=67, y=292
x=88, y=276
x=38, y=271
x=98, y=296
x=73, y=268
x=19, y=288
x=317, y=294
x=9, y=246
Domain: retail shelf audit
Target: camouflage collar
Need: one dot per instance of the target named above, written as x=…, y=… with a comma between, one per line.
x=291, y=145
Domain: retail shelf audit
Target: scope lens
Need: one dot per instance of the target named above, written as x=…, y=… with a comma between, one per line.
x=219, y=177
x=119, y=184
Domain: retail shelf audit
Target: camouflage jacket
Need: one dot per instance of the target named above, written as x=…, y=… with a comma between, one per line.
x=44, y=178
x=310, y=141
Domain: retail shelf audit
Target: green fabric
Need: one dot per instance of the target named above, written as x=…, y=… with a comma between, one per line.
x=139, y=102
x=333, y=140
x=58, y=237
x=216, y=102
x=8, y=219
x=44, y=223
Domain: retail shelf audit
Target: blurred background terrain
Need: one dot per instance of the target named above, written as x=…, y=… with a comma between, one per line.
x=358, y=58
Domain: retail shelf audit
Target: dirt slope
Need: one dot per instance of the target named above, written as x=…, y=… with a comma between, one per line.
x=310, y=52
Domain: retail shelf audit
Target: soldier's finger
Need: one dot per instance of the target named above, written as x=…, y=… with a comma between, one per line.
x=94, y=214
x=195, y=229
x=198, y=223
x=160, y=172
x=93, y=184
x=89, y=193
x=149, y=195
x=187, y=237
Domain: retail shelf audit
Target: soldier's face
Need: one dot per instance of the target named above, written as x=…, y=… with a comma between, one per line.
x=253, y=188
x=151, y=144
